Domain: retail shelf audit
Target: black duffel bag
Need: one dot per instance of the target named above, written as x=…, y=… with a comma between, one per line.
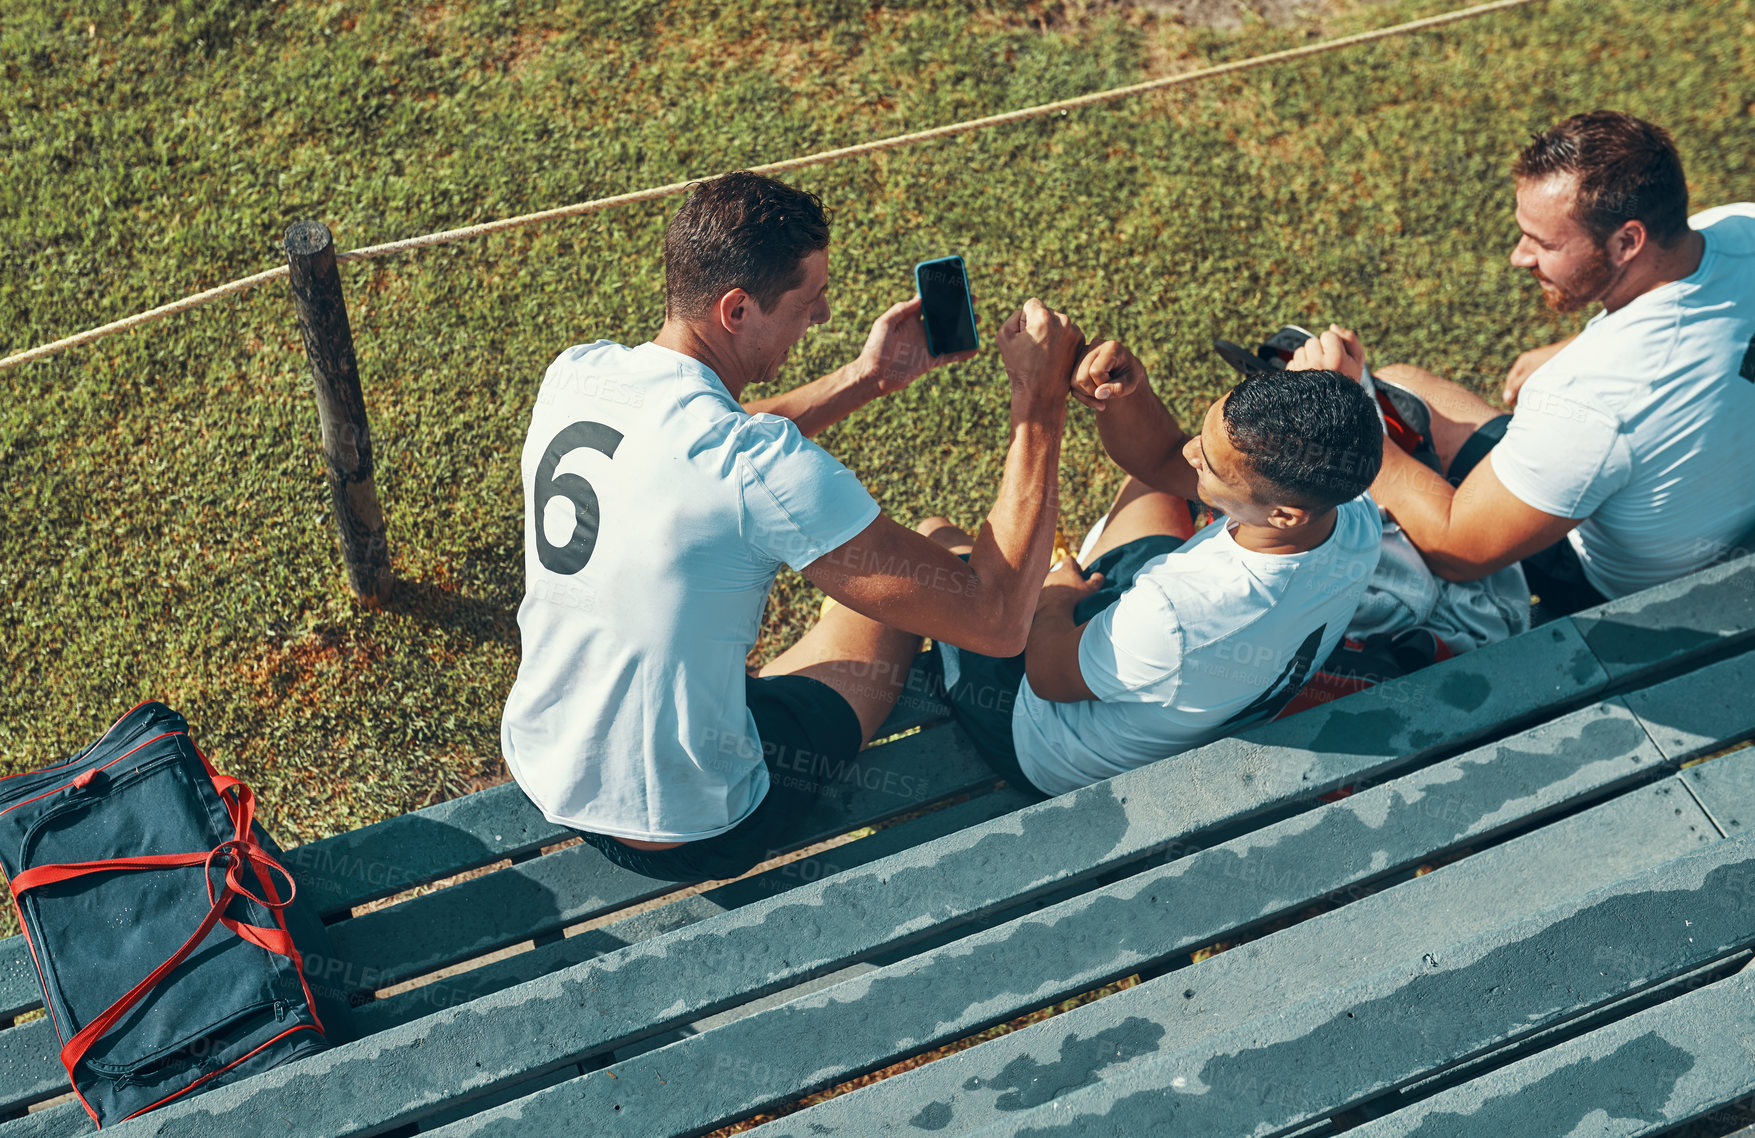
x=158, y=917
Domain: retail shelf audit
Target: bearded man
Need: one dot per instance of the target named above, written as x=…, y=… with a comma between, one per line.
x=1623, y=464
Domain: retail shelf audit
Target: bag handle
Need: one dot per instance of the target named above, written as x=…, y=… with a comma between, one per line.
x=233, y=853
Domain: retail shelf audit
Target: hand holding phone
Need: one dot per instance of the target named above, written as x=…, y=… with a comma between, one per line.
x=896, y=352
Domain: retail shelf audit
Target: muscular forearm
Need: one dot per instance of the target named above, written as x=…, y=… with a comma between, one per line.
x=1420, y=500
x=1144, y=439
x=1012, y=550
x=821, y=403
x=1471, y=532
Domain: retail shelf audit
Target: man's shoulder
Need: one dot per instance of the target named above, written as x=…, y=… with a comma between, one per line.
x=597, y=353
x=1611, y=361
x=1730, y=227
x=763, y=441
x=1207, y=592
x=601, y=372
x=1360, y=522
x=1729, y=274
x=1622, y=357
x=1346, y=567
x=585, y=367
x=682, y=400
x=1236, y=592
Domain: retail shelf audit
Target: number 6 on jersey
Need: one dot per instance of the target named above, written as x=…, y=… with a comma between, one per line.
x=571, y=557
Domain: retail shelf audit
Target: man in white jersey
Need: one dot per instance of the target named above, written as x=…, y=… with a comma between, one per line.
x=1624, y=463
x=659, y=509
x=1174, y=638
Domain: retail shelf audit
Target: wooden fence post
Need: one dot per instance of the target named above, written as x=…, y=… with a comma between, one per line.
x=341, y=410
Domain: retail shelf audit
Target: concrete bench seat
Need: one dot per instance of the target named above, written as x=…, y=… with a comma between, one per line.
x=1594, y=896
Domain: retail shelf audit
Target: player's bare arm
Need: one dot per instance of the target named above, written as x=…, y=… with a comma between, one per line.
x=1051, y=661
x=904, y=579
x=1464, y=533
x=1136, y=429
x=895, y=355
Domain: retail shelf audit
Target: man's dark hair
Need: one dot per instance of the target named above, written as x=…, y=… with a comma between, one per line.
x=1313, y=436
x=1627, y=169
x=741, y=230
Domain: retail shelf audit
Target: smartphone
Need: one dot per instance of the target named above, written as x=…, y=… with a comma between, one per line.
x=945, y=306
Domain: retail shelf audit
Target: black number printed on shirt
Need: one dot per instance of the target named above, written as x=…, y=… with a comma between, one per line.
x=571, y=557
x=1287, y=684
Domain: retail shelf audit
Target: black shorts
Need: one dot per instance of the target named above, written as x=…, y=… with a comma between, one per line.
x=806, y=728
x=987, y=686
x=1558, y=584
x=1475, y=448
x=1555, y=575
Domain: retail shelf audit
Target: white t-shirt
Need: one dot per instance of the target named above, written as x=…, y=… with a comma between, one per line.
x=1209, y=639
x=1642, y=425
x=628, y=715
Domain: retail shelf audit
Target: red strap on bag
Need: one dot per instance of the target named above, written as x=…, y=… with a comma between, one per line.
x=1399, y=432
x=233, y=854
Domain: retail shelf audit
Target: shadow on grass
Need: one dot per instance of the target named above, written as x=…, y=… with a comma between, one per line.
x=483, y=621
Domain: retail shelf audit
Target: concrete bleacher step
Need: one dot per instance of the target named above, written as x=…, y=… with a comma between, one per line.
x=1646, y=632
x=535, y=898
x=1491, y=1060
x=338, y=873
x=354, y=868
x=67, y=1119
x=1669, y=1064
x=548, y=958
x=1338, y=1047
x=1658, y=821
x=776, y=943
x=576, y=884
x=699, y=964
x=1092, y=939
x=1257, y=980
x=771, y=945
x=1697, y=713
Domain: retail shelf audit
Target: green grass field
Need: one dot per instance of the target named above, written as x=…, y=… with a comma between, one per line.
x=166, y=532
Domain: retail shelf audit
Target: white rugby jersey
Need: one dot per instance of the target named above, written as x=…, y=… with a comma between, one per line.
x=1210, y=639
x=657, y=512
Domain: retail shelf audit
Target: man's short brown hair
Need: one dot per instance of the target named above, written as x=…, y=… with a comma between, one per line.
x=741, y=230
x=1627, y=170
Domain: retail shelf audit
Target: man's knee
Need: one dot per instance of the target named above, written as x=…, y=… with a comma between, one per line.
x=942, y=530
x=1408, y=376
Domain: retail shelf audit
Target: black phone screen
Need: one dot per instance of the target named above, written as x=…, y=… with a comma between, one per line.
x=944, y=304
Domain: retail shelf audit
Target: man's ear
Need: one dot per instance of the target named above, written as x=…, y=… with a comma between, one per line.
x=1287, y=517
x=1626, y=242
x=733, y=309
